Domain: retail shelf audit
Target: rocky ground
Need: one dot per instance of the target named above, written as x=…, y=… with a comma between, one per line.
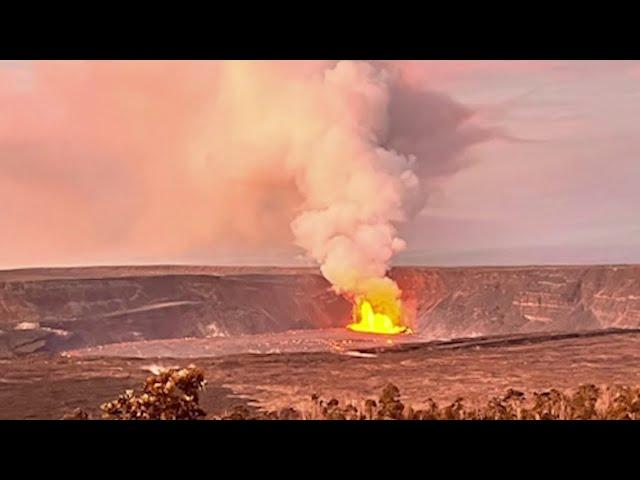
x=44, y=386
x=54, y=310
x=271, y=337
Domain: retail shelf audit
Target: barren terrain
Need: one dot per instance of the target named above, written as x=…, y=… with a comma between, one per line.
x=54, y=310
x=476, y=369
x=271, y=337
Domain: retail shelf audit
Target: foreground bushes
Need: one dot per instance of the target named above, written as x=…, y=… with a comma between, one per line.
x=174, y=395
x=588, y=402
x=170, y=395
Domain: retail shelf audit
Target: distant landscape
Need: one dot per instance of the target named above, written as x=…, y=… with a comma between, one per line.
x=93, y=331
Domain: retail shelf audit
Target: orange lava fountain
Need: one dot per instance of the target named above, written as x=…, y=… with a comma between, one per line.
x=370, y=321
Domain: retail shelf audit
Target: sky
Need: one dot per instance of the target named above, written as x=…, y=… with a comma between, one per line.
x=519, y=162
x=565, y=190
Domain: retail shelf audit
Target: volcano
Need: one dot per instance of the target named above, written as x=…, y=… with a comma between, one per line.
x=55, y=310
x=92, y=331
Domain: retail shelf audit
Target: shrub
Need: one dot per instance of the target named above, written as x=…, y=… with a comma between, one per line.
x=170, y=395
x=173, y=394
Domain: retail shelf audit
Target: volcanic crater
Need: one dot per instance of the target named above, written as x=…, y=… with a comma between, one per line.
x=78, y=336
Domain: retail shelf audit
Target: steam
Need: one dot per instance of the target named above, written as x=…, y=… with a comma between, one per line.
x=326, y=133
x=120, y=162
x=355, y=191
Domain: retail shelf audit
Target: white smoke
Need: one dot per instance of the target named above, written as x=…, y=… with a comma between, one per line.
x=355, y=191
x=325, y=132
x=202, y=161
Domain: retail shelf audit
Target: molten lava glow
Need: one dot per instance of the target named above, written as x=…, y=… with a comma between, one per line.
x=374, y=322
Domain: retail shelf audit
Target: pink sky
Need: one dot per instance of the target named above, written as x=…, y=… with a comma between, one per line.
x=120, y=162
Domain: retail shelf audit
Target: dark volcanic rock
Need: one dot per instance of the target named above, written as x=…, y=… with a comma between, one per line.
x=455, y=302
x=22, y=342
x=478, y=370
x=75, y=308
x=95, y=311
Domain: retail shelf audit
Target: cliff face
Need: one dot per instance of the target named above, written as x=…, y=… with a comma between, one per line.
x=72, y=313
x=486, y=301
x=53, y=310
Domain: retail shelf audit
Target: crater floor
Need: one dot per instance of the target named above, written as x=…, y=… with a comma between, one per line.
x=40, y=386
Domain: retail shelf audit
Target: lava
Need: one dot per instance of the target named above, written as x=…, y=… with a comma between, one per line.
x=370, y=321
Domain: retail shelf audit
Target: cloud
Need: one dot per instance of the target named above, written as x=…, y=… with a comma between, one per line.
x=118, y=162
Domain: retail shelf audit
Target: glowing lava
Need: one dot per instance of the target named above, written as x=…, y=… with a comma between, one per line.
x=374, y=322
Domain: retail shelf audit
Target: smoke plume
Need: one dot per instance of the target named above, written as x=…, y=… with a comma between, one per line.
x=332, y=133
x=116, y=162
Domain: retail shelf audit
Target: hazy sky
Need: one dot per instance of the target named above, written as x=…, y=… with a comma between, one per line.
x=117, y=162
x=566, y=192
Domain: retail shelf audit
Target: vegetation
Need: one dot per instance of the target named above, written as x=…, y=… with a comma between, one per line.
x=588, y=402
x=174, y=395
x=170, y=395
